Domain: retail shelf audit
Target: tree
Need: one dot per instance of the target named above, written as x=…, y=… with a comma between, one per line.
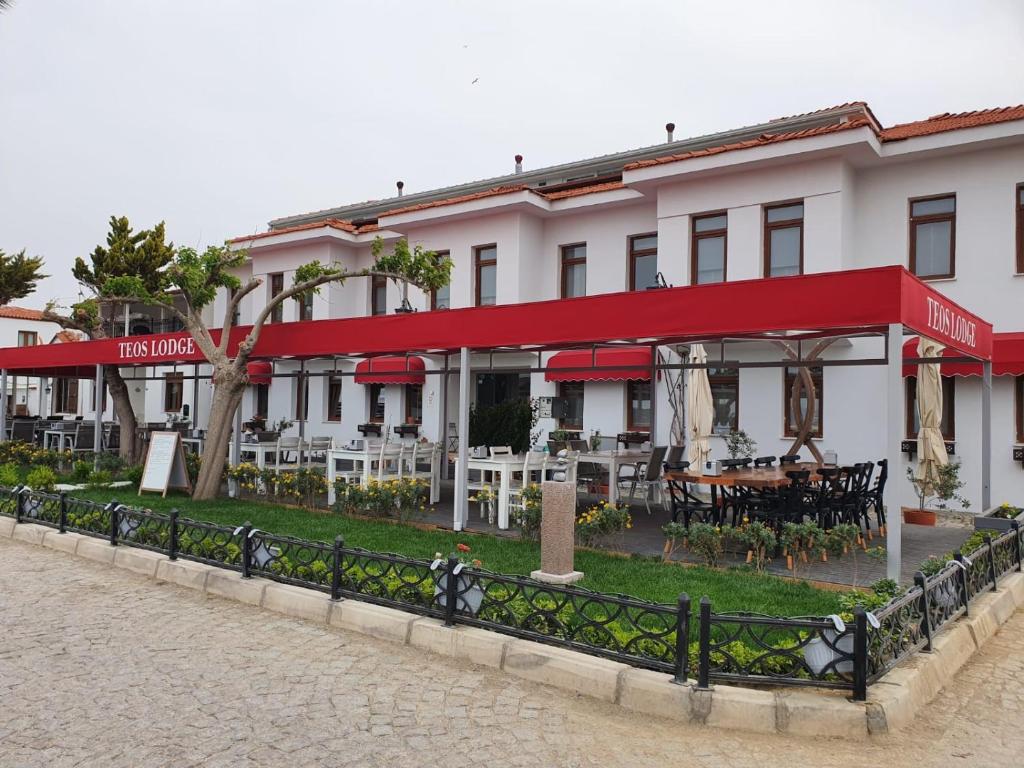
x=139, y=255
x=197, y=278
x=18, y=275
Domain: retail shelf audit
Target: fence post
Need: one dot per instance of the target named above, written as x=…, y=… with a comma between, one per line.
x=172, y=545
x=451, y=591
x=991, y=561
x=112, y=506
x=339, y=542
x=926, y=622
x=19, y=505
x=682, y=639
x=62, y=521
x=1015, y=527
x=963, y=582
x=704, y=656
x=246, y=550
x=860, y=654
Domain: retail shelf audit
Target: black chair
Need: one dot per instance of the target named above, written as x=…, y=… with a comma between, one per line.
x=789, y=458
x=684, y=503
x=764, y=461
x=828, y=495
x=875, y=497
x=789, y=502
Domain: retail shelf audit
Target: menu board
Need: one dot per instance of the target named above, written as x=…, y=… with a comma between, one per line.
x=165, y=464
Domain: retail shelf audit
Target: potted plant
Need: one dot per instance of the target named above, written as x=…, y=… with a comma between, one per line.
x=469, y=593
x=740, y=445
x=944, y=490
x=999, y=518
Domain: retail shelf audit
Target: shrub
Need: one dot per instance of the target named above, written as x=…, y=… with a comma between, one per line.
x=760, y=541
x=675, y=537
x=41, y=479
x=404, y=499
x=98, y=479
x=110, y=462
x=9, y=475
x=601, y=522
x=706, y=540
x=80, y=471
x=134, y=474
x=528, y=517
x=509, y=423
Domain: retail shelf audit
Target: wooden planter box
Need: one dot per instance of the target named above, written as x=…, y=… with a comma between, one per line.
x=915, y=516
x=407, y=430
x=985, y=521
x=369, y=429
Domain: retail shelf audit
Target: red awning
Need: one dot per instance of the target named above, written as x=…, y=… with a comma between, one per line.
x=608, y=364
x=259, y=372
x=1007, y=357
x=390, y=370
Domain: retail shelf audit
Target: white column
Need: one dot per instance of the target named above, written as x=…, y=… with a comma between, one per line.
x=97, y=437
x=3, y=405
x=43, y=410
x=986, y=435
x=462, y=469
x=443, y=432
x=894, y=407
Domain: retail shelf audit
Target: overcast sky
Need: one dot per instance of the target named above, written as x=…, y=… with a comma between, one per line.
x=218, y=115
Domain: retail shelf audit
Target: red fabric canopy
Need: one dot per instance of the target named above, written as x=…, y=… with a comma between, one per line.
x=259, y=372
x=390, y=370
x=606, y=365
x=1007, y=358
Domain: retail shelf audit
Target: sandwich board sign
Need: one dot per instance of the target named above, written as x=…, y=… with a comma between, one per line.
x=165, y=464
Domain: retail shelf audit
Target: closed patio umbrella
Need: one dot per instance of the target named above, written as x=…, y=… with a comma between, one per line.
x=699, y=408
x=931, y=448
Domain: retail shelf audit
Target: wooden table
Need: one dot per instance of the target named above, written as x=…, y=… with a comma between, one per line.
x=744, y=477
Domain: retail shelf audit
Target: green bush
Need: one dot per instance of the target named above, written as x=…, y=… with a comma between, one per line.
x=133, y=474
x=706, y=540
x=110, y=462
x=98, y=479
x=508, y=423
x=41, y=479
x=9, y=475
x=81, y=470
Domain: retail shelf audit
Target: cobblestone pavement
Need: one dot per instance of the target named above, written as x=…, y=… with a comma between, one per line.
x=102, y=668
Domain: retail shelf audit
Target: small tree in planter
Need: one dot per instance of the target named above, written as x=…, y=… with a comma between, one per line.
x=706, y=540
x=740, y=445
x=760, y=541
x=945, y=491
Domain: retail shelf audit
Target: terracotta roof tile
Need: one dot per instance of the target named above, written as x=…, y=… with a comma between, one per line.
x=66, y=337
x=494, y=192
x=21, y=313
x=560, y=194
x=762, y=140
x=344, y=226
x=952, y=122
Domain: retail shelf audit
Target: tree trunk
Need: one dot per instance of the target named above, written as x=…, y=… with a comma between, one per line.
x=226, y=397
x=131, y=447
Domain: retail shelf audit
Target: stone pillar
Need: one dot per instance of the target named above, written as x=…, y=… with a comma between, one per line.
x=557, y=532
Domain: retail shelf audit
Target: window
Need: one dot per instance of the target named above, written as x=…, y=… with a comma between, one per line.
x=27, y=338
x=725, y=399
x=932, y=236
x=1020, y=228
x=302, y=397
x=643, y=261
x=948, y=423
x=65, y=396
x=1018, y=387
x=413, y=403
x=707, y=251
x=574, y=270
x=495, y=388
x=276, y=287
x=378, y=295
x=334, y=398
x=442, y=297
x=174, y=390
x=261, y=400
x=376, y=395
x=572, y=393
x=784, y=240
x=486, y=259
x=638, y=397
x=817, y=377
x=306, y=306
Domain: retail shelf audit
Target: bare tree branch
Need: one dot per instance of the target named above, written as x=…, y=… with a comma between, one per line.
x=229, y=313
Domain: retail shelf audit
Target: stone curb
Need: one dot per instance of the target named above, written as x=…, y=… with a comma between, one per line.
x=892, y=702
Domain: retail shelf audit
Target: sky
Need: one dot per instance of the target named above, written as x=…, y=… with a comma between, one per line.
x=219, y=115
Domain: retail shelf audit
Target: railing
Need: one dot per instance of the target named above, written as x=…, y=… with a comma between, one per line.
x=730, y=647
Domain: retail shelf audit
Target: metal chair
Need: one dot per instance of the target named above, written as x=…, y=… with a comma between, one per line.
x=684, y=502
x=764, y=461
x=675, y=455
x=789, y=458
x=647, y=474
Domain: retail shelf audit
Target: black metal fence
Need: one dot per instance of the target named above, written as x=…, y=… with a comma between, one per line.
x=746, y=648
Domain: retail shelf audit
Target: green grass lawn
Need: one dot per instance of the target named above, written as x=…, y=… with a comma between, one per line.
x=644, y=577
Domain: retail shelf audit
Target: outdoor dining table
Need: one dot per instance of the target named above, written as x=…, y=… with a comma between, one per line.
x=504, y=466
x=363, y=459
x=613, y=460
x=743, y=477
x=57, y=436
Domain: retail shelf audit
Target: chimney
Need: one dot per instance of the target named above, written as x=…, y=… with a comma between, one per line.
x=401, y=186
x=519, y=163
x=669, y=129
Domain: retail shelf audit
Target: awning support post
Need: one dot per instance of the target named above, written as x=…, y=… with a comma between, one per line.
x=893, y=450
x=986, y=435
x=301, y=398
x=97, y=436
x=462, y=468
x=442, y=437
x=654, y=396
x=3, y=405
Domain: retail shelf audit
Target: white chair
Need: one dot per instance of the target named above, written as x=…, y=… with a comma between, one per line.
x=316, y=451
x=501, y=450
x=419, y=462
x=389, y=466
x=285, y=448
x=534, y=462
